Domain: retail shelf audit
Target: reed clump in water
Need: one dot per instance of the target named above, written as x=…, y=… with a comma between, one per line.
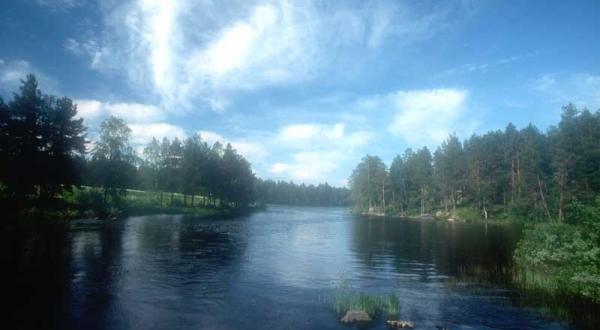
x=373, y=304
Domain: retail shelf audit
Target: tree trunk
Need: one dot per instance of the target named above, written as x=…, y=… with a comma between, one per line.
x=485, y=213
x=453, y=204
x=512, y=182
x=561, y=196
x=383, y=195
x=369, y=184
x=422, y=201
x=544, y=204
x=518, y=176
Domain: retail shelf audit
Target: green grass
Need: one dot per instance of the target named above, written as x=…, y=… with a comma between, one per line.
x=88, y=202
x=373, y=304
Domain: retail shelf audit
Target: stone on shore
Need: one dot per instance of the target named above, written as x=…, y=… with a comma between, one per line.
x=356, y=316
x=400, y=324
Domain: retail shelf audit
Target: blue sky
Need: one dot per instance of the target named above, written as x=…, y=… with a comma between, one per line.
x=304, y=89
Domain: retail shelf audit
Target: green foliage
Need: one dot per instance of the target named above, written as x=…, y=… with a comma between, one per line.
x=373, y=304
x=585, y=215
x=112, y=162
x=560, y=258
x=367, y=184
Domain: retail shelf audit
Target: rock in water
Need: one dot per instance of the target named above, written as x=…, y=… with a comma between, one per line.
x=356, y=316
x=400, y=324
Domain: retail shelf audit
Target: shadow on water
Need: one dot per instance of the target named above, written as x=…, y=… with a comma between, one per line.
x=454, y=249
x=35, y=261
x=476, y=262
x=152, y=265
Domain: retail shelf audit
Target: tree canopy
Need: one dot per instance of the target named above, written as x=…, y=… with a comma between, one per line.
x=42, y=143
x=522, y=173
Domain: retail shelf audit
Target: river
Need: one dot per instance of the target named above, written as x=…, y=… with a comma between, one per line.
x=273, y=269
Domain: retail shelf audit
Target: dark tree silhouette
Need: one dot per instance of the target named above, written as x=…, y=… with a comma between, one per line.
x=41, y=143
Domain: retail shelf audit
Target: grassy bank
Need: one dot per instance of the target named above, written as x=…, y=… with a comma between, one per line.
x=89, y=202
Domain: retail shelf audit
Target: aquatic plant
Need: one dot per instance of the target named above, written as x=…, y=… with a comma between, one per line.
x=373, y=304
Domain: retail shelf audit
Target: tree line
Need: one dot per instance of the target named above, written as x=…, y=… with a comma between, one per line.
x=289, y=193
x=44, y=151
x=522, y=173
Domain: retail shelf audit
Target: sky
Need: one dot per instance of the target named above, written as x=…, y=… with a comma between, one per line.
x=305, y=89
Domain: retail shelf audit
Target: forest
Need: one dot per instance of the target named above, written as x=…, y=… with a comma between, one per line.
x=508, y=173
x=47, y=162
x=548, y=181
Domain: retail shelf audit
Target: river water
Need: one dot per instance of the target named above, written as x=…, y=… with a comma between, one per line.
x=274, y=269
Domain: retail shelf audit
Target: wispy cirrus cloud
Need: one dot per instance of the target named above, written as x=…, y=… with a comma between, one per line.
x=582, y=89
x=197, y=52
x=60, y=5
x=491, y=65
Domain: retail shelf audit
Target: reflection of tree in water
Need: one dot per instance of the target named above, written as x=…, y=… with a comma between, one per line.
x=35, y=268
x=453, y=248
x=123, y=269
x=219, y=241
x=186, y=238
x=96, y=268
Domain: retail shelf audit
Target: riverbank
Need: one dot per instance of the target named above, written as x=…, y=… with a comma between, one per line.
x=438, y=215
x=463, y=213
x=89, y=203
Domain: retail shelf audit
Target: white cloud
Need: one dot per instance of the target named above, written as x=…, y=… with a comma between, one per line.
x=88, y=48
x=11, y=73
x=318, y=150
x=254, y=152
x=135, y=112
x=92, y=111
x=315, y=136
x=310, y=167
x=145, y=121
x=142, y=134
x=89, y=110
x=427, y=116
x=424, y=117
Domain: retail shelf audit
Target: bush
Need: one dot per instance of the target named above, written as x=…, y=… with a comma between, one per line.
x=560, y=258
x=90, y=200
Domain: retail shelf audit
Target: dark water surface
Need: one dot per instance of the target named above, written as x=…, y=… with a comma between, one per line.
x=275, y=269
